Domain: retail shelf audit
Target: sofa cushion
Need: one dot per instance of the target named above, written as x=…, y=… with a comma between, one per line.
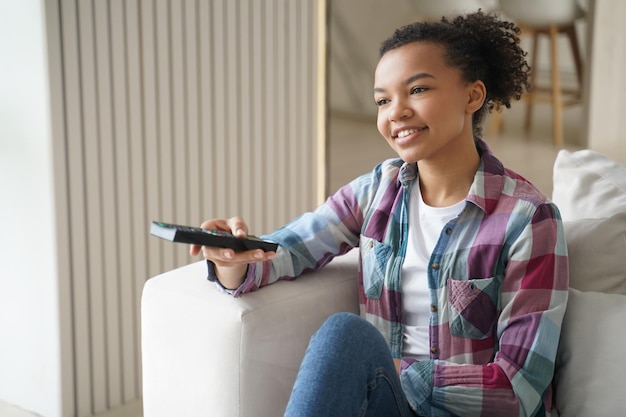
x=587, y=184
x=597, y=253
x=591, y=366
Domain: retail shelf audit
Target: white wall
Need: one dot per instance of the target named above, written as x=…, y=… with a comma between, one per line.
x=29, y=320
x=607, y=86
x=357, y=27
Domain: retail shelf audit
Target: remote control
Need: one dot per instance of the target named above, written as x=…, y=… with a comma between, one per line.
x=206, y=237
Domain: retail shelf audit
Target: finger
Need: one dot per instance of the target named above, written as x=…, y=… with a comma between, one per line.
x=225, y=257
x=238, y=226
x=211, y=224
x=194, y=250
x=219, y=256
x=216, y=224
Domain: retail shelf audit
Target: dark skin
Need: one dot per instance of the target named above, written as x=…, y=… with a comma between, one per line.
x=425, y=113
x=230, y=266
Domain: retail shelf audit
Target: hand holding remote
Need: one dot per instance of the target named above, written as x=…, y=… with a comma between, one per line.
x=230, y=266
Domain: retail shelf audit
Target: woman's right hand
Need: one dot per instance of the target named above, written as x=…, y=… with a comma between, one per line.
x=230, y=266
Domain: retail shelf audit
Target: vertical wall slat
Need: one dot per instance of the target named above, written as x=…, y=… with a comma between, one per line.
x=151, y=133
x=138, y=226
x=230, y=79
x=241, y=102
x=270, y=98
x=177, y=111
x=280, y=104
x=123, y=389
x=92, y=194
x=220, y=134
x=57, y=82
x=293, y=72
x=258, y=116
x=78, y=224
x=178, y=135
x=165, y=122
x=193, y=206
x=307, y=123
x=207, y=123
x=109, y=225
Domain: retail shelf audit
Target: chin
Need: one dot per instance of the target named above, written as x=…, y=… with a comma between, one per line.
x=409, y=157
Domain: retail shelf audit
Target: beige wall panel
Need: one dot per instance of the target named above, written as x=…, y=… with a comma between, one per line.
x=176, y=111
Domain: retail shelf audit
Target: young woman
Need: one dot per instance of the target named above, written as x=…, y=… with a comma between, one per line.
x=463, y=263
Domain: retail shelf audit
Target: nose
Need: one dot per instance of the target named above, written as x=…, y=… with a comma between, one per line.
x=399, y=110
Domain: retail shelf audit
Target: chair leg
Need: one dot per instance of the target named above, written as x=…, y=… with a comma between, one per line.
x=570, y=31
x=557, y=101
x=495, y=124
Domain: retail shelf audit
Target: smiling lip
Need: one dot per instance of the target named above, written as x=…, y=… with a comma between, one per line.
x=405, y=132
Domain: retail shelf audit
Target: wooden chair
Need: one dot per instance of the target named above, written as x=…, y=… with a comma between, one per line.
x=552, y=19
x=436, y=9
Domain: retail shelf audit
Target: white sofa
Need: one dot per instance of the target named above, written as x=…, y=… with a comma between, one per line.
x=208, y=354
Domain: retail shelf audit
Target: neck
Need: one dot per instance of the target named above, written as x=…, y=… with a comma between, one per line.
x=446, y=182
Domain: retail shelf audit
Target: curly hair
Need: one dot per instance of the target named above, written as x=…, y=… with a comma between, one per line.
x=482, y=47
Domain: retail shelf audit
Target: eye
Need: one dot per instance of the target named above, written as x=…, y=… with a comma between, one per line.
x=381, y=102
x=418, y=90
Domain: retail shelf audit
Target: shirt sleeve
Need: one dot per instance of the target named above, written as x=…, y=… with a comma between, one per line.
x=533, y=299
x=312, y=240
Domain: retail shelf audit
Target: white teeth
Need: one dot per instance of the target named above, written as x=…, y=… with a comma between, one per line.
x=404, y=133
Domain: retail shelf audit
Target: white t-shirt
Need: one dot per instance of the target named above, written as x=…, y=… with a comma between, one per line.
x=425, y=226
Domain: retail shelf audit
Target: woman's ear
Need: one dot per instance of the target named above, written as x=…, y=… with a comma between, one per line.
x=477, y=96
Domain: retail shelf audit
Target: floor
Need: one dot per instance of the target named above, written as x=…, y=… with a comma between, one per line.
x=356, y=146
x=8, y=410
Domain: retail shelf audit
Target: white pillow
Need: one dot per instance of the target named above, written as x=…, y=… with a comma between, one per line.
x=587, y=184
x=591, y=364
x=597, y=253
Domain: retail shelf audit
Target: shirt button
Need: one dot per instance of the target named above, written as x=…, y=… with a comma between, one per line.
x=435, y=266
x=434, y=350
x=433, y=309
x=448, y=230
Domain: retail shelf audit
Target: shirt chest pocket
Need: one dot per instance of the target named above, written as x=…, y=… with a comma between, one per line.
x=375, y=258
x=472, y=307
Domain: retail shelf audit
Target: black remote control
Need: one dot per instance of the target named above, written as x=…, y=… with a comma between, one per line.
x=205, y=237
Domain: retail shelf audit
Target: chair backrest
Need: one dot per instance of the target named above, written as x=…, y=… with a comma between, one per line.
x=435, y=9
x=542, y=13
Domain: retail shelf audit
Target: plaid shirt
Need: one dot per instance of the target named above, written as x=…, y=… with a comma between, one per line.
x=498, y=280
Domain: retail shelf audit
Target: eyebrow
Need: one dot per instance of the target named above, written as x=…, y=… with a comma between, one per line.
x=409, y=80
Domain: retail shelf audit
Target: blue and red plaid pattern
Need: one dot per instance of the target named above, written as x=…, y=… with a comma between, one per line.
x=498, y=278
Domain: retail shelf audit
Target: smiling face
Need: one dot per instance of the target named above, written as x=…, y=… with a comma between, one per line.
x=424, y=106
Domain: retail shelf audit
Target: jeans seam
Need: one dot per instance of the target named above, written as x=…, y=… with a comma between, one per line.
x=398, y=396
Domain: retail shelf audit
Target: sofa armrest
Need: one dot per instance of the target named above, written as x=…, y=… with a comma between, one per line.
x=206, y=353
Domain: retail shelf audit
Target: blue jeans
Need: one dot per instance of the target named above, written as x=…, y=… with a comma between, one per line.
x=347, y=371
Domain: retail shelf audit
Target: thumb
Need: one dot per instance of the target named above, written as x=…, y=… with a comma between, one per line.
x=238, y=226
